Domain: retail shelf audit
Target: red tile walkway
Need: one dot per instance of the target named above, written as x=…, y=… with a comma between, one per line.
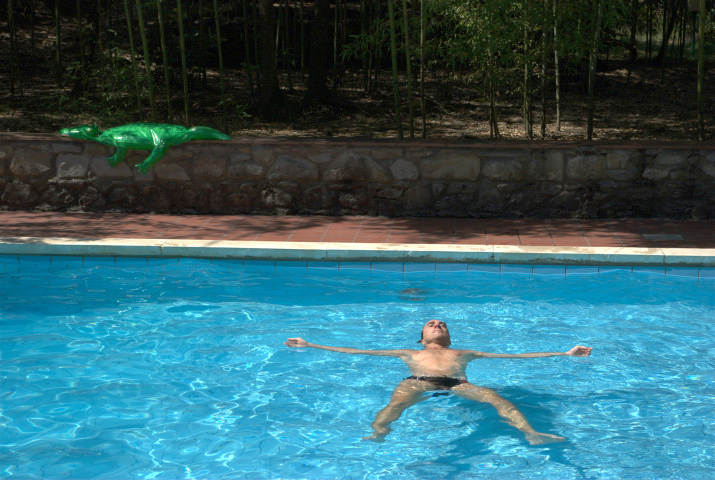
x=651, y=233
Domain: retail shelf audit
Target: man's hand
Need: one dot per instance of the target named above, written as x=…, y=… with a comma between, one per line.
x=296, y=343
x=579, y=351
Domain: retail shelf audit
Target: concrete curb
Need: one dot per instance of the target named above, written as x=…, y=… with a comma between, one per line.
x=358, y=252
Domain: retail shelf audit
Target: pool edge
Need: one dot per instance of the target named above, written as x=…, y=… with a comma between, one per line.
x=388, y=252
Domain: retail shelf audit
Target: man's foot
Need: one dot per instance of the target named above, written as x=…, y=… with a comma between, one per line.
x=536, y=438
x=375, y=437
x=378, y=434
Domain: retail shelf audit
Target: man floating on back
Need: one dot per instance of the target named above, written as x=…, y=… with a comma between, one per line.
x=438, y=367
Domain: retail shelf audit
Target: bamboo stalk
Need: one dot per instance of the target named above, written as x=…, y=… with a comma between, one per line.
x=58, y=43
x=395, y=83
x=182, y=47
x=13, y=45
x=147, y=60
x=127, y=13
x=100, y=18
x=164, y=56
x=408, y=62
x=526, y=87
x=422, y=69
x=220, y=62
x=247, y=46
x=556, y=69
x=543, y=75
x=596, y=25
x=701, y=68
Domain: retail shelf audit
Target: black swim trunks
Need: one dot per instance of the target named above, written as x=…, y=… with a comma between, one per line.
x=440, y=383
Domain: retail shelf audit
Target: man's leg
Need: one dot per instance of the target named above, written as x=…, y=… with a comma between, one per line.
x=506, y=410
x=406, y=394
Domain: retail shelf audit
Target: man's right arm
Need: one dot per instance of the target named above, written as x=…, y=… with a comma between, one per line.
x=300, y=343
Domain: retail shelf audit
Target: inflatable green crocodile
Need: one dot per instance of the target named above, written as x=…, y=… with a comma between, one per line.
x=157, y=137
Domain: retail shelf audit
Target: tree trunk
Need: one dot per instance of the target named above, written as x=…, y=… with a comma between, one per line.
x=247, y=47
x=301, y=16
x=270, y=101
x=543, y=74
x=422, y=69
x=526, y=85
x=203, y=44
x=147, y=60
x=649, y=33
x=132, y=52
x=99, y=24
x=222, y=100
x=393, y=50
x=336, y=21
x=408, y=62
x=557, y=73
x=701, y=68
x=596, y=25
x=669, y=19
x=319, y=54
x=632, y=45
x=58, y=43
x=164, y=56
x=13, y=45
x=182, y=48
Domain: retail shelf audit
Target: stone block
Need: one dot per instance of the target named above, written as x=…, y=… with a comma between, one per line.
x=292, y=169
x=5, y=152
x=376, y=171
x=503, y=169
x=71, y=165
x=347, y=167
x=387, y=153
x=274, y=197
x=101, y=169
x=618, y=160
x=92, y=149
x=419, y=197
x=586, y=167
x=454, y=165
x=170, y=172
x=554, y=165
x=623, y=175
x=404, y=170
x=320, y=158
x=210, y=167
x=31, y=163
x=656, y=173
x=707, y=164
x=5, y=155
x=390, y=192
x=19, y=194
x=671, y=158
x=66, y=146
x=263, y=154
x=241, y=166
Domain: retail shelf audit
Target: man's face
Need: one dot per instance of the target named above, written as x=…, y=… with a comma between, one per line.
x=435, y=331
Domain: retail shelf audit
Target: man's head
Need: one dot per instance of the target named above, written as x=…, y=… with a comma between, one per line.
x=435, y=331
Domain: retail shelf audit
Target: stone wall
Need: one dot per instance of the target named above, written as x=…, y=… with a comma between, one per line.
x=364, y=177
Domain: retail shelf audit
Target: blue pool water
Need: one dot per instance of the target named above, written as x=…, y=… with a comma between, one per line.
x=168, y=369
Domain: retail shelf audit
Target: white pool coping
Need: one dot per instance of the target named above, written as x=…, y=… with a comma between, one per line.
x=358, y=252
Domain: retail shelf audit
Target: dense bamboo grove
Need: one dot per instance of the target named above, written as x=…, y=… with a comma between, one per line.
x=163, y=60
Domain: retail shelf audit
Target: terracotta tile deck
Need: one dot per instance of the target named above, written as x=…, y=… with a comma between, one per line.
x=652, y=233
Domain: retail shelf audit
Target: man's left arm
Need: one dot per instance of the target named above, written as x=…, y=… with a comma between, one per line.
x=577, y=351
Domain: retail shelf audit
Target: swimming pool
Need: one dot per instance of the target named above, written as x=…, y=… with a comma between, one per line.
x=167, y=368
